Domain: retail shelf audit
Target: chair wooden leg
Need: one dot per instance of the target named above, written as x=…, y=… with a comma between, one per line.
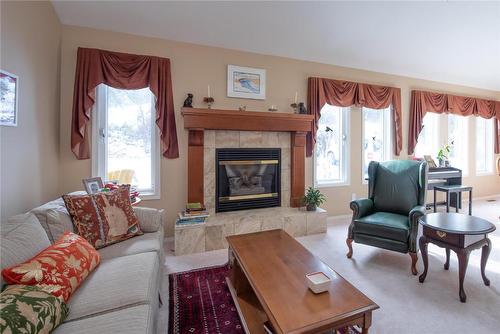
x=349, y=245
x=414, y=259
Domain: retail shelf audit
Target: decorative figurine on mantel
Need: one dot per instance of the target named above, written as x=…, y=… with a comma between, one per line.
x=209, y=100
x=188, y=102
x=242, y=108
x=302, y=108
x=273, y=108
x=294, y=105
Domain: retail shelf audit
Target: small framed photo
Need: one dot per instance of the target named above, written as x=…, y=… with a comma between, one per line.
x=430, y=161
x=93, y=185
x=9, y=94
x=246, y=82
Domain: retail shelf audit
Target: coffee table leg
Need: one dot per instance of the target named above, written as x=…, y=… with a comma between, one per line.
x=423, y=250
x=447, y=263
x=463, y=260
x=484, y=258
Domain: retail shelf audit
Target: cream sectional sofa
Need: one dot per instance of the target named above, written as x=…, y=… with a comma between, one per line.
x=122, y=294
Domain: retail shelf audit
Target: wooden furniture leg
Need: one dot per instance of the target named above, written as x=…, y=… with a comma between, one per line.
x=434, y=199
x=423, y=250
x=448, y=198
x=349, y=245
x=414, y=259
x=485, y=253
x=463, y=260
x=470, y=202
x=447, y=263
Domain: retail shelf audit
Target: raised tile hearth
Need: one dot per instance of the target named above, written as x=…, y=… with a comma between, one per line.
x=212, y=234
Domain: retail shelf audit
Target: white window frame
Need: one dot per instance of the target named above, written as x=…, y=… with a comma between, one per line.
x=465, y=170
x=345, y=158
x=388, y=138
x=99, y=147
x=433, y=127
x=489, y=133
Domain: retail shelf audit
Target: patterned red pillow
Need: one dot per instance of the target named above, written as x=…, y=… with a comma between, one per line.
x=58, y=269
x=104, y=218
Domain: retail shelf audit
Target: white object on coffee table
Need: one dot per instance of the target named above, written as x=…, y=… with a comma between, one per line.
x=318, y=282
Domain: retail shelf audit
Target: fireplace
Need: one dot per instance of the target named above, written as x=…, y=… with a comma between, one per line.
x=247, y=178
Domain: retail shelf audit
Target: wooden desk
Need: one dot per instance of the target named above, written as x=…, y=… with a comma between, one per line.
x=267, y=282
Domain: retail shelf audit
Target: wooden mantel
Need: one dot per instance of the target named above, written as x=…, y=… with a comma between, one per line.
x=197, y=120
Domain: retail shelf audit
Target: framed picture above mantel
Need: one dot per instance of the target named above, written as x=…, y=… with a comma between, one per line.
x=9, y=94
x=246, y=82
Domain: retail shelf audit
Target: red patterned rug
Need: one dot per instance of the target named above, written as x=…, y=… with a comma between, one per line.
x=200, y=302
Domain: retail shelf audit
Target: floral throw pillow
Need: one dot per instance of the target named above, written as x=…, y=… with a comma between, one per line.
x=28, y=309
x=58, y=269
x=104, y=218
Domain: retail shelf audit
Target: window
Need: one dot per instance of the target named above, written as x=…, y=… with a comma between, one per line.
x=376, y=136
x=457, y=139
x=330, y=156
x=428, y=139
x=484, y=146
x=125, y=139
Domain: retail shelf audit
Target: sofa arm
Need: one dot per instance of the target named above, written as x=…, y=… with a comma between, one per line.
x=361, y=207
x=413, y=217
x=150, y=220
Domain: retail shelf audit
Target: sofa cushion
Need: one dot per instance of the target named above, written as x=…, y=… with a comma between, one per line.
x=104, y=218
x=58, y=269
x=132, y=320
x=148, y=242
x=22, y=237
x=396, y=186
x=54, y=218
x=385, y=225
x=117, y=283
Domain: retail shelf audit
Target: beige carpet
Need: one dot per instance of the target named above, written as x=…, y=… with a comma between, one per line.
x=406, y=306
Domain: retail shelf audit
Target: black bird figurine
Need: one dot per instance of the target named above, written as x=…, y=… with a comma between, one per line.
x=188, y=102
x=302, y=108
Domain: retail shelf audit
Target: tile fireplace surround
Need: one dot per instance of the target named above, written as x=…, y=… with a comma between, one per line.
x=212, y=129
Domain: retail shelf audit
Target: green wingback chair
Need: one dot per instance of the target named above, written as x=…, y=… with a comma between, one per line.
x=388, y=218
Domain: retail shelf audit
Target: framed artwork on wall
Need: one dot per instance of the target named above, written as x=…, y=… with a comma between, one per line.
x=246, y=82
x=9, y=94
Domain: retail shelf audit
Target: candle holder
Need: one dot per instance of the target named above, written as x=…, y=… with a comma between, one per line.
x=209, y=101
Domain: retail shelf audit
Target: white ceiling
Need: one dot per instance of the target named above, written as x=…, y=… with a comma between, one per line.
x=454, y=42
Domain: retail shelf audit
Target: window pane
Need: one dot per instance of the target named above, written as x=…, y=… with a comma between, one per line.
x=457, y=139
x=428, y=141
x=129, y=136
x=376, y=136
x=484, y=145
x=330, y=149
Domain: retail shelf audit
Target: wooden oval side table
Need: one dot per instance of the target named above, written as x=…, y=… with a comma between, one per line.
x=460, y=233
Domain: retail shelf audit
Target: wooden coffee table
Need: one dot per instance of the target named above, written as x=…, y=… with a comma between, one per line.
x=460, y=233
x=268, y=284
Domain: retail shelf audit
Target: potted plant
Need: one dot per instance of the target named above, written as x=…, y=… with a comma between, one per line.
x=443, y=155
x=313, y=198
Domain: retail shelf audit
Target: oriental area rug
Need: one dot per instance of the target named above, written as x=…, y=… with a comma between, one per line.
x=200, y=303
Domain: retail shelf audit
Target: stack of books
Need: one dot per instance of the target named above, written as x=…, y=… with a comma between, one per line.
x=195, y=213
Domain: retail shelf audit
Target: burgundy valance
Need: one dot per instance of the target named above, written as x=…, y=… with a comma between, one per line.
x=123, y=71
x=345, y=94
x=423, y=102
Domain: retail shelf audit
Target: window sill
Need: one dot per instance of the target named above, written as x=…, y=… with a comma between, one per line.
x=489, y=173
x=149, y=196
x=332, y=185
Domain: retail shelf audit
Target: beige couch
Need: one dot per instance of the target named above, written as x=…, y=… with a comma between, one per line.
x=122, y=294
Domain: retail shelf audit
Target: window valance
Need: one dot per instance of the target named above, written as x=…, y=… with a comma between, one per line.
x=347, y=93
x=423, y=102
x=122, y=71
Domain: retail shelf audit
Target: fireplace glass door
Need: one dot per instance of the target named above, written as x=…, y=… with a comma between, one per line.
x=247, y=178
